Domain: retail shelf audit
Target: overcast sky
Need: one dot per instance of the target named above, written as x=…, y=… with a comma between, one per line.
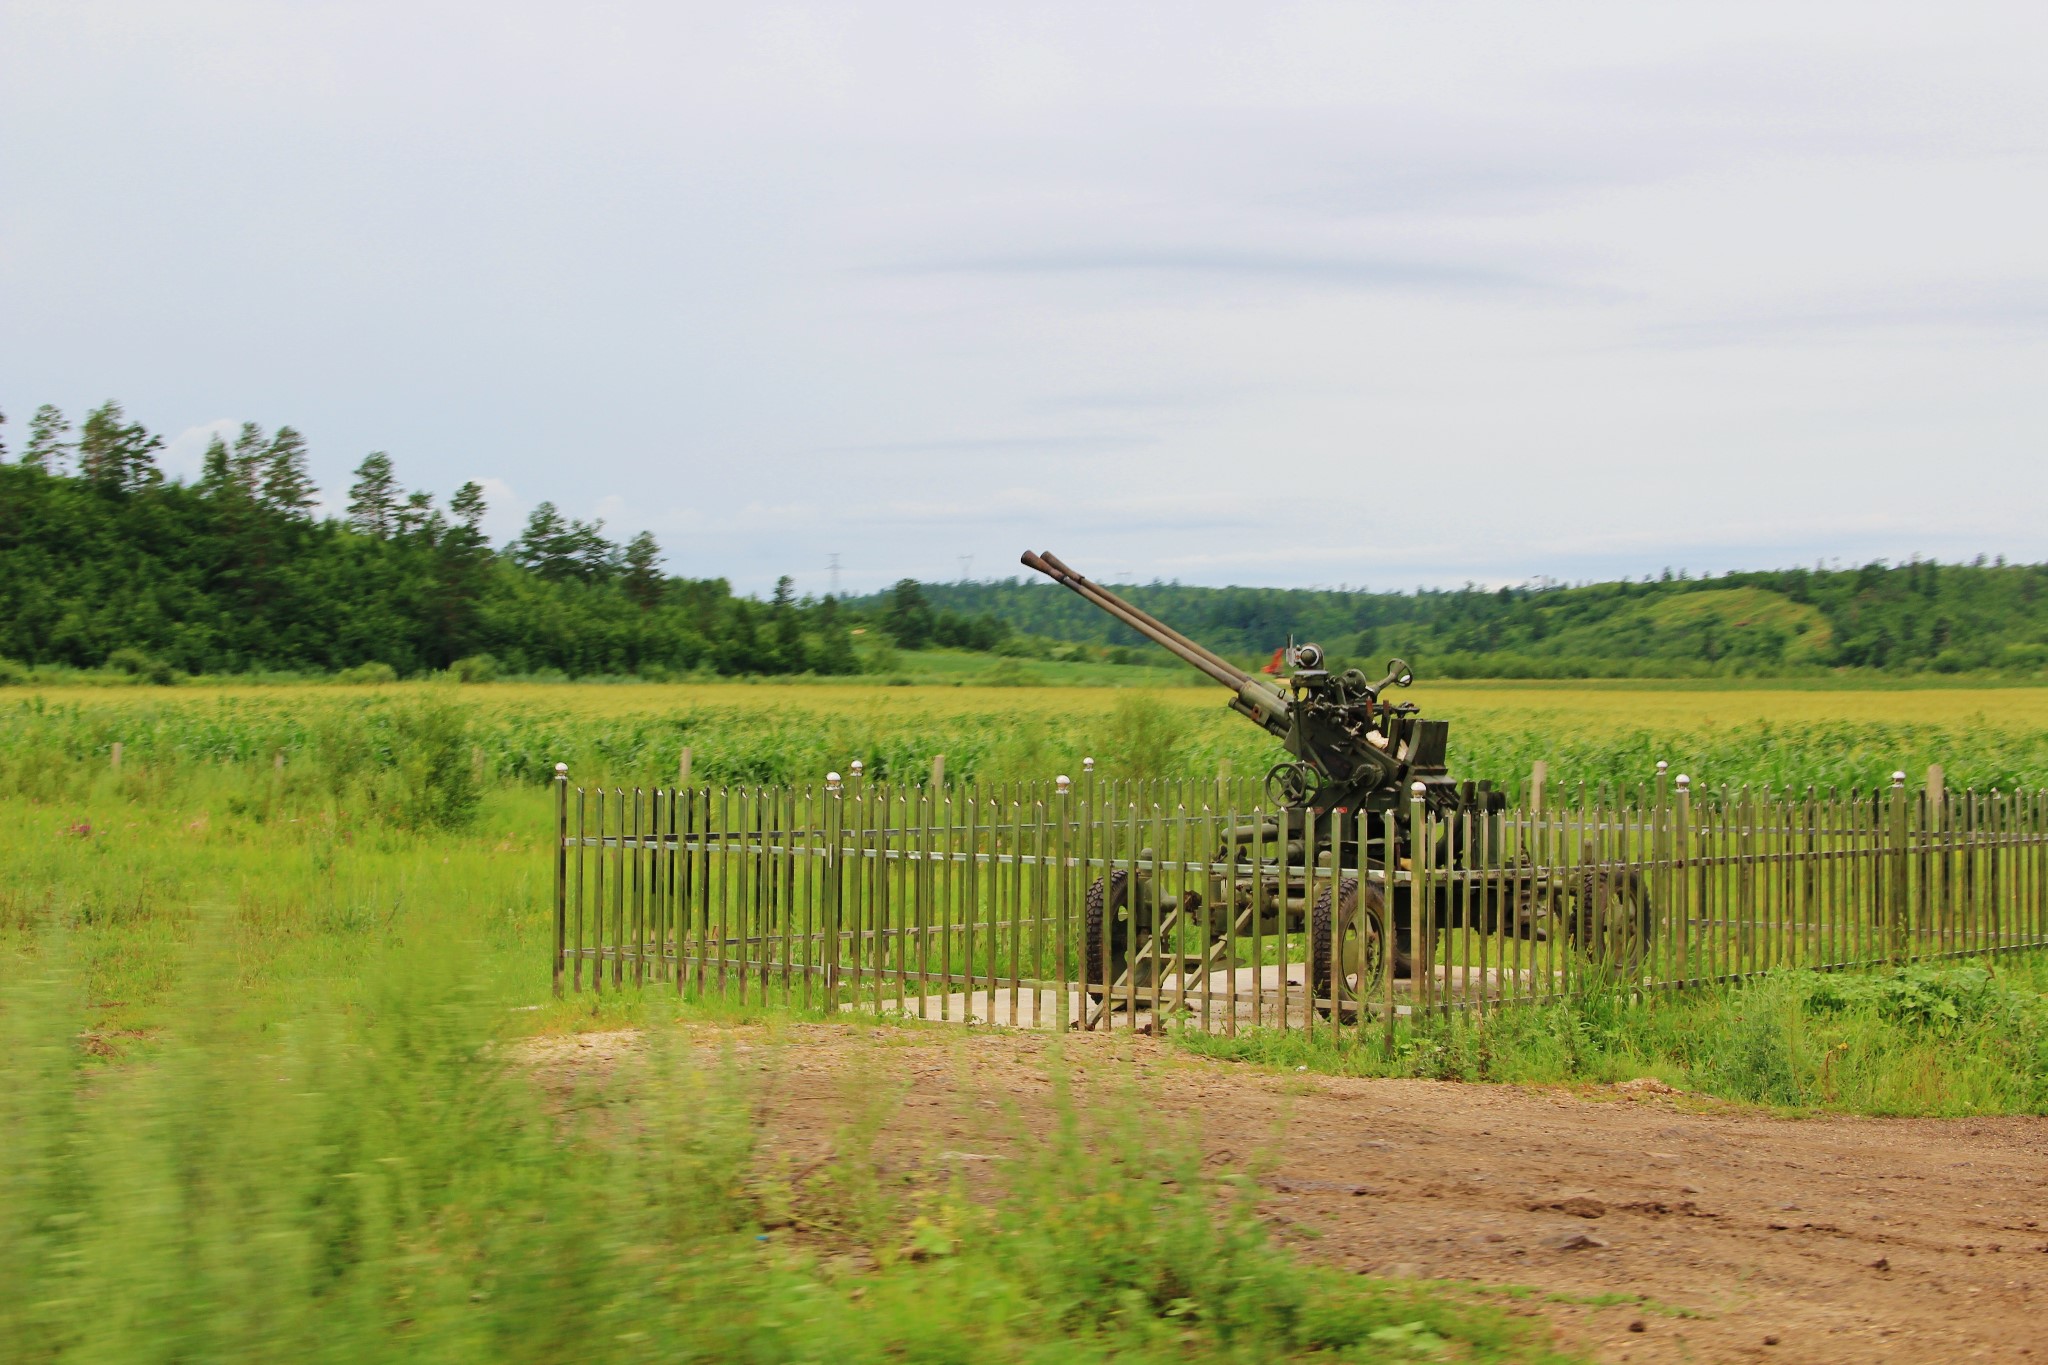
x=1354, y=293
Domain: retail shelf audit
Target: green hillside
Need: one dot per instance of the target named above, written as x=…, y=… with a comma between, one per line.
x=1918, y=617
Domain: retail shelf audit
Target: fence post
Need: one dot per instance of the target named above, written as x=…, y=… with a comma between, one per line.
x=938, y=772
x=1935, y=865
x=1089, y=1017
x=683, y=769
x=1660, y=867
x=1063, y=889
x=561, y=871
x=835, y=816
x=1896, y=903
x=114, y=756
x=1681, y=900
x=1539, y=773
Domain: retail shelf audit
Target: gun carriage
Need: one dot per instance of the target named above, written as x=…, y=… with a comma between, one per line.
x=1352, y=752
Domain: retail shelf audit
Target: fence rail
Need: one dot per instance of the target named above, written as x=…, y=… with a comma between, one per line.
x=1111, y=904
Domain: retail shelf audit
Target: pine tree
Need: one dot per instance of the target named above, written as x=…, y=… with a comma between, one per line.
x=540, y=546
x=468, y=508
x=245, y=465
x=116, y=454
x=595, y=558
x=461, y=560
x=786, y=653
x=215, y=476
x=556, y=548
x=417, y=517
x=287, y=483
x=47, y=447
x=642, y=580
x=373, y=497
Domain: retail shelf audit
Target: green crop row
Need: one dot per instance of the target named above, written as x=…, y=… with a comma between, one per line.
x=423, y=758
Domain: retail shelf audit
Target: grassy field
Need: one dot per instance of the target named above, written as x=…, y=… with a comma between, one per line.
x=796, y=732
x=256, y=1015
x=260, y=1103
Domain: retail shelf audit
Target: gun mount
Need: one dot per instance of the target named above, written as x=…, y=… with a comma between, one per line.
x=1352, y=749
x=1343, y=827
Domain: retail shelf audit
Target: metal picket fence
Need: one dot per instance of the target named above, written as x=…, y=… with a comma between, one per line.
x=1119, y=904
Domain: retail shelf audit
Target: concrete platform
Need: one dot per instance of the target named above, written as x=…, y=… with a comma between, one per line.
x=1026, y=1008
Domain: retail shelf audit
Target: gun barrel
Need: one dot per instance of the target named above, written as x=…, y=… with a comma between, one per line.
x=1268, y=703
x=1158, y=627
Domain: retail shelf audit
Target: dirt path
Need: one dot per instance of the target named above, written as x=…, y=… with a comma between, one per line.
x=1751, y=1237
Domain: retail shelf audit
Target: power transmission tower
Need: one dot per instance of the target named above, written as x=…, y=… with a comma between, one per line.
x=832, y=562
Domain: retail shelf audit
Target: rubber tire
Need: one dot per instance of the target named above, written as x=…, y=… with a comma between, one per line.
x=1101, y=912
x=1320, y=971
x=1593, y=891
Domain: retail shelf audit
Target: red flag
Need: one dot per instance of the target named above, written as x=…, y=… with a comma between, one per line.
x=1279, y=657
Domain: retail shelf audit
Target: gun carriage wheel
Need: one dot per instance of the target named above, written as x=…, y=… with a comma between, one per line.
x=1105, y=921
x=1611, y=919
x=1361, y=947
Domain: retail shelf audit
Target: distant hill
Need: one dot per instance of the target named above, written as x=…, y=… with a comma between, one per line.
x=1914, y=617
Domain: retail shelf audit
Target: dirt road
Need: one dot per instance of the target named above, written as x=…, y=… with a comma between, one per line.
x=1749, y=1237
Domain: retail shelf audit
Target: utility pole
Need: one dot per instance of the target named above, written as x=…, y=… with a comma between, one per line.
x=966, y=567
x=832, y=562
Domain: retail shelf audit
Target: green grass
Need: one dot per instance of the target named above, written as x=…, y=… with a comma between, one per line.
x=1938, y=1039
x=260, y=1081
x=255, y=1069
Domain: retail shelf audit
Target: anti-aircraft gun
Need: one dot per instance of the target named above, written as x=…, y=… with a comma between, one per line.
x=1352, y=753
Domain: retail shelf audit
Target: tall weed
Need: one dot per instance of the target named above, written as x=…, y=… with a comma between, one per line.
x=374, y=1177
x=1927, y=1039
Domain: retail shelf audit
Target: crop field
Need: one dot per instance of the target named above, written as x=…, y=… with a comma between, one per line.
x=282, y=1073
x=796, y=732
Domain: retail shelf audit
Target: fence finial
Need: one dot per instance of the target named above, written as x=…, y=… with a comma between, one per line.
x=1684, y=782
x=1899, y=779
x=1662, y=767
x=1417, y=789
x=855, y=767
x=1087, y=765
x=832, y=782
x=1064, y=783
x=562, y=771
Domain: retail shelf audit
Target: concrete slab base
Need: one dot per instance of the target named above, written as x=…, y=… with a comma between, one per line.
x=1250, y=995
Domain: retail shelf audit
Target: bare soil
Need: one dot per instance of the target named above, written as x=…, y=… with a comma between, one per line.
x=1727, y=1233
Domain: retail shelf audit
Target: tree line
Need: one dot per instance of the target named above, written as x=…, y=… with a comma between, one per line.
x=1917, y=616
x=102, y=557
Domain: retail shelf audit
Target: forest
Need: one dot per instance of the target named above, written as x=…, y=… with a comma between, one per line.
x=106, y=563
x=1914, y=617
